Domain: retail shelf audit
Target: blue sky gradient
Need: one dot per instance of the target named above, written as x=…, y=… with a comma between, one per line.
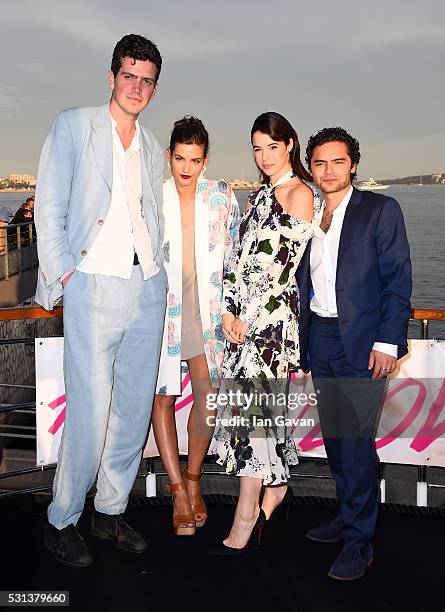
x=375, y=69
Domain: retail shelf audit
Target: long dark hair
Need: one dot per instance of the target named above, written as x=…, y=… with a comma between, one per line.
x=279, y=129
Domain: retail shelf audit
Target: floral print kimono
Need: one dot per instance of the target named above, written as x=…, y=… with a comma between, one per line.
x=260, y=287
x=217, y=221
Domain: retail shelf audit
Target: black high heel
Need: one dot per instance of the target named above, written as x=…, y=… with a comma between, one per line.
x=285, y=504
x=254, y=540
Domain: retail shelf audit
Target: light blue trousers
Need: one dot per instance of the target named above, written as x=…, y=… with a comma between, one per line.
x=113, y=333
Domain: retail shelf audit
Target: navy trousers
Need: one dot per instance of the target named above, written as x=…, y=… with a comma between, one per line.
x=349, y=405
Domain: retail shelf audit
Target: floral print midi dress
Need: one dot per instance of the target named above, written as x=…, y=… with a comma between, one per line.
x=260, y=288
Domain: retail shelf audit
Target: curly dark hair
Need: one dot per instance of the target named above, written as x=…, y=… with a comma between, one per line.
x=334, y=134
x=138, y=48
x=189, y=130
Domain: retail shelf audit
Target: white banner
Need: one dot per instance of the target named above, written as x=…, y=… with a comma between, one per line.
x=413, y=417
x=50, y=398
x=412, y=425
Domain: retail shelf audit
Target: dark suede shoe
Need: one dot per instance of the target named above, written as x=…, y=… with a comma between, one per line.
x=328, y=532
x=351, y=563
x=113, y=527
x=67, y=546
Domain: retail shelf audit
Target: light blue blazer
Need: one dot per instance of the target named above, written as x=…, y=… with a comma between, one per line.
x=73, y=193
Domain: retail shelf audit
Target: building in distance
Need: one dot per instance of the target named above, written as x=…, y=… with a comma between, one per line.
x=242, y=184
x=18, y=181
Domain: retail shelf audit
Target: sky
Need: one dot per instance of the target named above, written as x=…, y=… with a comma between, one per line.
x=374, y=68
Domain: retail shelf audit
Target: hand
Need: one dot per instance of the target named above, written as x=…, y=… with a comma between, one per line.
x=300, y=374
x=239, y=329
x=227, y=319
x=381, y=364
x=67, y=278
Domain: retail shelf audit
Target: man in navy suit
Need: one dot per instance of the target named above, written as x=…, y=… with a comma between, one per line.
x=355, y=287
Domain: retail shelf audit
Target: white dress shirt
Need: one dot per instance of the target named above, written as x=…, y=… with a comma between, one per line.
x=124, y=230
x=323, y=265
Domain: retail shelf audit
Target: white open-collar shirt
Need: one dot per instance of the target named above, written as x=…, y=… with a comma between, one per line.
x=124, y=230
x=323, y=266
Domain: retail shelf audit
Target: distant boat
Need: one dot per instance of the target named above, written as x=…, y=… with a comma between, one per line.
x=371, y=185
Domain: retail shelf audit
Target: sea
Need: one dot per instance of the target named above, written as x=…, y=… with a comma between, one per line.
x=423, y=208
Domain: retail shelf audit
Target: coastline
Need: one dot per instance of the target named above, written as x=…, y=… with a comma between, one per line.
x=17, y=190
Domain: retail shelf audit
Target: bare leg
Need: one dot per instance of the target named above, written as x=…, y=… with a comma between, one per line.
x=164, y=429
x=199, y=432
x=246, y=514
x=273, y=496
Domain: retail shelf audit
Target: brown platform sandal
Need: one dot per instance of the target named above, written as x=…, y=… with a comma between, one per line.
x=180, y=519
x=200, y=508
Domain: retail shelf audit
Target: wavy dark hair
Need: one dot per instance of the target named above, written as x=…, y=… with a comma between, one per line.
x=189, y=130
x=137, y=48
x=279, y=129
x=334, y=134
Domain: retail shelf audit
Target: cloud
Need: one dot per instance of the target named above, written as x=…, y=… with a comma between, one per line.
x=81, y=21
x=375, y=68
x=9, y=96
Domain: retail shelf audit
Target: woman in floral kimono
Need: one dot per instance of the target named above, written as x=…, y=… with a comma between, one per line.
x=260, y=322
x=201, y=224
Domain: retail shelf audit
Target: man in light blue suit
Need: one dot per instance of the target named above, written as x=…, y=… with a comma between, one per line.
x=99, y=227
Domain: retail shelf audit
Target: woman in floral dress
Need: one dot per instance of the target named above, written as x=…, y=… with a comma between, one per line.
x=201, y=225
x=260, y=322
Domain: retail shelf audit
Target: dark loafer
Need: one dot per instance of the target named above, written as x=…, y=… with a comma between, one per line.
x=328, y=532
x=67, y=546
x=113, y=527
x=351, y=563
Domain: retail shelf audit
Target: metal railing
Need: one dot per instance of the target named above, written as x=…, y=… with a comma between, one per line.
x=17, y=248
x=424, y=315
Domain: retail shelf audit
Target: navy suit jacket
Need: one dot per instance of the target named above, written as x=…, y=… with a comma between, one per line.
x=373, y=282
